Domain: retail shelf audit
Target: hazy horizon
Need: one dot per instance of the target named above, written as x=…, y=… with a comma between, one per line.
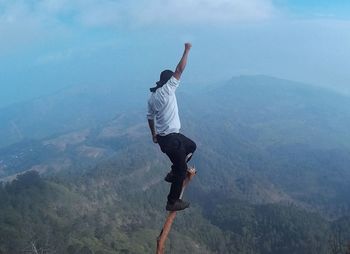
x=48, y=45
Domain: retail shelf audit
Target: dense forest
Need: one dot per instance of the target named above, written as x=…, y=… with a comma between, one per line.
x=272, y=164
x=94, y=214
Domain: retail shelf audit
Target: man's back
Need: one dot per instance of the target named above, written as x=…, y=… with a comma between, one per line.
x=162, y=105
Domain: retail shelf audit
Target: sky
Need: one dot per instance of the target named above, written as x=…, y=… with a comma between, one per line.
x=47, y=45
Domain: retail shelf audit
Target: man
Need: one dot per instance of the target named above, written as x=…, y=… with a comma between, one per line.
x=164, y=122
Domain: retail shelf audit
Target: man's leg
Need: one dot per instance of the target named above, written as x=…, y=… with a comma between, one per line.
x=189, y=145
x=189, y=148
x=178, y=158
x=175, y=150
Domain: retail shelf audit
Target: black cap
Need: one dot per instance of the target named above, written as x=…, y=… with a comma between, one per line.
x=164, y=77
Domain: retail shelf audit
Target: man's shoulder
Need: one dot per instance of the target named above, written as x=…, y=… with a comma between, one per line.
x=170, y=86
x=173, y=80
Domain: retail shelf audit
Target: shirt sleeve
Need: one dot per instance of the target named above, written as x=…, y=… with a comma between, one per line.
x=150, y=113
x=170, y=87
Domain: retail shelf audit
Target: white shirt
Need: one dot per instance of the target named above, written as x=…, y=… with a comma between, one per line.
x=162, y=105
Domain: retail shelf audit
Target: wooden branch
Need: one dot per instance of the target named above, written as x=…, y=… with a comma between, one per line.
x=171, y=216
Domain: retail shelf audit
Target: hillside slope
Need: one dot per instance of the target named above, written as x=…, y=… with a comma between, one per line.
x=273, y=172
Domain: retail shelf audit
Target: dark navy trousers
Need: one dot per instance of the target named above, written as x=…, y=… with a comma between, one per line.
x=177, y=146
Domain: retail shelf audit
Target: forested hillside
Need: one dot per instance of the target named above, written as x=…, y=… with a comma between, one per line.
x=273, y=172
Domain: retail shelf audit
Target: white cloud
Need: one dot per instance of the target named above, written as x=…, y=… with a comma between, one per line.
x=173, y=12
x=104, y=14
x=141, y=12
x=23, y=22
x=17, y=26
x=203, y=11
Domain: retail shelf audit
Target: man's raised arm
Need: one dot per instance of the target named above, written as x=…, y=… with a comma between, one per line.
x=182, y=64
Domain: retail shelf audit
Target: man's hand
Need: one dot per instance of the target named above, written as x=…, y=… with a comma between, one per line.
x=154, y=137
x=188, y=46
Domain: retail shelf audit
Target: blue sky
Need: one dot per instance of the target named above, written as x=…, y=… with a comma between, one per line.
x=316, y=8
x=46, y=45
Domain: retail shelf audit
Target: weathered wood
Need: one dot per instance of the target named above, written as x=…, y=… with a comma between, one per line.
x=171, y=216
